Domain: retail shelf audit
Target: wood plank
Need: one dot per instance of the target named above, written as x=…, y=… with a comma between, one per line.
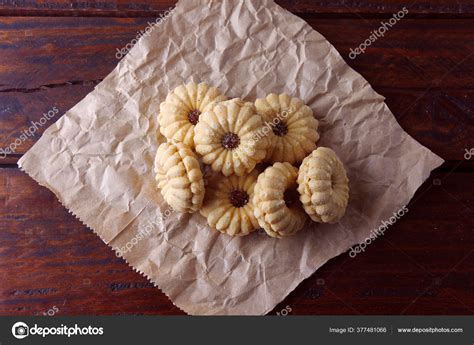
x=122, y=8
x=440, y=120
x=417, y=53
x=103, y=8
x=49, y=259
x=385, y=7
x=19, y=111
x=44, y=52
x=422, y=265
x=56, y=62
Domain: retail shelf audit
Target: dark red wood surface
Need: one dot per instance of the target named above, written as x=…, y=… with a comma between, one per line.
x=53, y=53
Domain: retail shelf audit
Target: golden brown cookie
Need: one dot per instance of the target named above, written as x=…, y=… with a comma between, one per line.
x=225, y=137
x=181, y=110
x=277, y=206
x=323, y=186
x=228, y=204
x=179, y=177
x=290, y=126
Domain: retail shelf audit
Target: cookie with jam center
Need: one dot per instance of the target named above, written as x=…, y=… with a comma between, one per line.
x=290, y=127
x=182, y=109
x=228, y=204
x=228, y=137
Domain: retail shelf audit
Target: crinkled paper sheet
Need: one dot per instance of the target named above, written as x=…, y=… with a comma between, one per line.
x=98, y=157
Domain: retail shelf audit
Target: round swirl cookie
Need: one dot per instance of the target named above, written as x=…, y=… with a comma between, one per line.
x=228, y=204
x=179, y=177
x=323, y=186
x=181, y=110
x=227, y=137
x=276, y=199
x=291, y=127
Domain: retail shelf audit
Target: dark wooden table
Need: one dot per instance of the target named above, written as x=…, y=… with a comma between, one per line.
x=53, y=53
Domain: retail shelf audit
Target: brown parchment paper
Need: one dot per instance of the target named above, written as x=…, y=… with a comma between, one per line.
x=98, y=157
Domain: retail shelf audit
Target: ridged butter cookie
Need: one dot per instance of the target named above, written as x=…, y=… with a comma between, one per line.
x=181, y=110
x=323, y=186
x=226, y=137
x=276, y=199
x=290, y=126
x=228, y=205
x=179, y=177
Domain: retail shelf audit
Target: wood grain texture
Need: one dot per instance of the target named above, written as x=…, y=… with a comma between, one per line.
x=142, y=8
x=424, y=67
x=440, y=120
x=415, y=53
x=364, y=8
x=19, y=110
x=48, y=258
x=423, y=265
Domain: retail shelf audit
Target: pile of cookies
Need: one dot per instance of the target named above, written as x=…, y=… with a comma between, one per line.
x=232, y=140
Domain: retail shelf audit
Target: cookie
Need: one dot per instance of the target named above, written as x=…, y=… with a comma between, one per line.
x=179, y=177
x=227, y=138
x=290, y=126
x=228, y=204
x=323, y=186
x=276, y=199
x=181, y=110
